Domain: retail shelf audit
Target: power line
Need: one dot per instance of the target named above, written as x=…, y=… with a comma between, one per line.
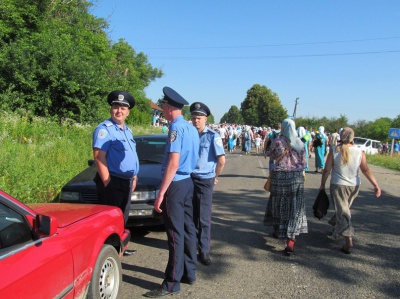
x=273, y=45
x=273, y=56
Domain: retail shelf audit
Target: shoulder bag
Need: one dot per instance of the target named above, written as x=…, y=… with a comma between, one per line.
x=267, y=183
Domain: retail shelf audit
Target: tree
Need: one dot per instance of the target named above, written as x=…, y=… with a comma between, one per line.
x=396, y=122
x=233, y=116
x=56, y=61
x=262, y=107
x=210, y=119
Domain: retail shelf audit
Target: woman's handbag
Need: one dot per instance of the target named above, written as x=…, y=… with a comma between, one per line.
x=321, y=204
x=267, y=183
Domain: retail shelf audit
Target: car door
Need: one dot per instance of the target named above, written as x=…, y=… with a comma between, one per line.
x=32, y=268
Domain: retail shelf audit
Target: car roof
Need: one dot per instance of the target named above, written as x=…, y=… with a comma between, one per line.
x=153, y=136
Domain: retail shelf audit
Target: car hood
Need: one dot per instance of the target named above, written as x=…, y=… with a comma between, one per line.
x=68, y=214
x=149, y=178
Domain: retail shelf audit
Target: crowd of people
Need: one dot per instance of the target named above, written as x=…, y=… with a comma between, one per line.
x=195, y=157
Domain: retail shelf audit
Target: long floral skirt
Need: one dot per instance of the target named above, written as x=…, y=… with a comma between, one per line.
x=286, y=210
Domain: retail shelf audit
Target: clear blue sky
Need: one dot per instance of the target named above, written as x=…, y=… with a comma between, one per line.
x=337, y=57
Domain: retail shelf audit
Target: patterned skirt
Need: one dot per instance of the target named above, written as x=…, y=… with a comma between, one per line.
x=286, y=210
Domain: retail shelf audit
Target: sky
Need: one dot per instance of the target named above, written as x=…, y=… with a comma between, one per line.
x=337, y=57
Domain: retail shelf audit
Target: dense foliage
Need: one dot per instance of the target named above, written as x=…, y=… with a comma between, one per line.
x=262, y=107
x=233, y=116
x=56, y=61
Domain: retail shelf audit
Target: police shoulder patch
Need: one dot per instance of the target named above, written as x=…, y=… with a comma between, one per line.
x=172, y=135
x=218, y=141
x=102, y=134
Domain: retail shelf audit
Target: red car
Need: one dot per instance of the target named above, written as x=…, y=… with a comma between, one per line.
x=60, y=250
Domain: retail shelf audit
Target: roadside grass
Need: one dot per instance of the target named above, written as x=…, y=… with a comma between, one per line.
x=387, y=161
x=39, y=156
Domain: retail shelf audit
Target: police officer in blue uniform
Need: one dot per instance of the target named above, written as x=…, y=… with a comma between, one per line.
x=114, y=150
x=209, y=166
x=174, y=199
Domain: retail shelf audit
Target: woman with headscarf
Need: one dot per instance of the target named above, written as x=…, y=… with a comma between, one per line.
x=320, y=149
x=344, y=162
x=305, y=137
x=286, y=206
x=247, y=139
x=230, y=139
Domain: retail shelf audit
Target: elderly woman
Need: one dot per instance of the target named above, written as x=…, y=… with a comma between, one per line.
x=320, y=149
x=305, y=138
x=345, y=161
x=247, y=139
x=286, y=206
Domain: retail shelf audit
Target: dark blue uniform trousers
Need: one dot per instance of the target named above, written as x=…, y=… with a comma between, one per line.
x=117, y=193
x=202, y=209
x=178, y=217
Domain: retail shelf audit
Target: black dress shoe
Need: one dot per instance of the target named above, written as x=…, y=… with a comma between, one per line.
x=159, y=292
x=205, y=259
x=185, y=280
x=128, y=252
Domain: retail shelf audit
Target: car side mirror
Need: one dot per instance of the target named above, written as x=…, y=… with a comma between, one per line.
x=46, y=226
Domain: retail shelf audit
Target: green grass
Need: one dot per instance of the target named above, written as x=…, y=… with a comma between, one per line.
x=39, y=156
x=387, y=161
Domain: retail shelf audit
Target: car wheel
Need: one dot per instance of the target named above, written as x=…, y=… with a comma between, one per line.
x=107, y=275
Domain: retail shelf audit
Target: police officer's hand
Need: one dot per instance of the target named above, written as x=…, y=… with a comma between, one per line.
x=157, y=203
x=107, y=181
x=134, y=181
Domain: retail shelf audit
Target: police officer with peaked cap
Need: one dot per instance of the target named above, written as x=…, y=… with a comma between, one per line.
x=114, y=150
x=174, y=199
x=209, y=165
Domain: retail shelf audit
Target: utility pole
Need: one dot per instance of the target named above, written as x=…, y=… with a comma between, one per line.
x=295, y=106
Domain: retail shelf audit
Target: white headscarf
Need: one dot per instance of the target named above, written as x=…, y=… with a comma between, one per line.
x=321, y=130
x=301, y=132
x=288, y=130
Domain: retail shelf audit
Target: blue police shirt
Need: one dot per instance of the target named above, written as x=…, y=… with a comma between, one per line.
x=210, y=148
x=183, y=138
x=122, y=159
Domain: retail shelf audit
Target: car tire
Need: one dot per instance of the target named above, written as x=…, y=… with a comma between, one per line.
x=107, y=275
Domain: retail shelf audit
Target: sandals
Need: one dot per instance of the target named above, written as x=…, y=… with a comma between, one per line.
x=346, y=250
x=289, y=247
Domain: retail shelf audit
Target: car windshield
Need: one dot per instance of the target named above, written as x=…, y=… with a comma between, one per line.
x=359, y=141
x=150, y=150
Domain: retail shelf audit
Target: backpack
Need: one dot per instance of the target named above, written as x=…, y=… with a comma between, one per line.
x=317, y=142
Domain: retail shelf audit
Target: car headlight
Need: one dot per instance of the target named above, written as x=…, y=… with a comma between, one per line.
x=143, y=195
x=68, y=195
